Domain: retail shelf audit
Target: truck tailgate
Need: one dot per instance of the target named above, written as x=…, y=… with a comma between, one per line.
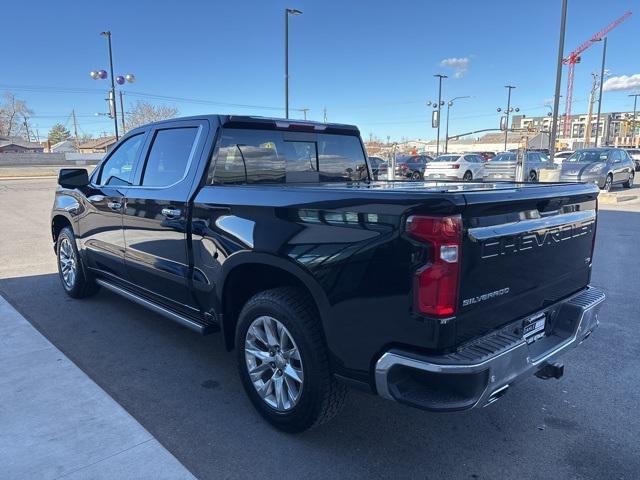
x=523, y=252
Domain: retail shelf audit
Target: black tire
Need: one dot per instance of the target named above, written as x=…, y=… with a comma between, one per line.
x=80, y=286
x=629, y=182
x=608, y=183
x=321, y=396
x=468, y=176
x=533, y=176
x=416, y=176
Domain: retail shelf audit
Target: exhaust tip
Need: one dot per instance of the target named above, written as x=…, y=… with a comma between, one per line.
x=497, y=394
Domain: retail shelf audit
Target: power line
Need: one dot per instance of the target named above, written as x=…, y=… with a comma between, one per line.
x=74, y=90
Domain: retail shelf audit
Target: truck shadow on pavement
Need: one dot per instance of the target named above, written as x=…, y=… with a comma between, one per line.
x=185, y=390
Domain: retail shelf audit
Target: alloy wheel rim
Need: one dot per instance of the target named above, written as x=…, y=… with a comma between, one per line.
x=273, y=363
x=68, y=266
x=631, y=177
x=607, y=184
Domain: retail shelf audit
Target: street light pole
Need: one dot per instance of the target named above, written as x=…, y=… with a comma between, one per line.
x=440, y=77
x=112, y=97
x=604, y=56
x=446, y=134
x=287, y=12
x=556, y=98
x=508, y=112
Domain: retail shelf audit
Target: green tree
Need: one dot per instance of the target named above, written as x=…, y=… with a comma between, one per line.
x=58, y=133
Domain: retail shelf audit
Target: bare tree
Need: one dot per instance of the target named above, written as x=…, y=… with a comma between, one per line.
x=14, y=115
x=145, y=112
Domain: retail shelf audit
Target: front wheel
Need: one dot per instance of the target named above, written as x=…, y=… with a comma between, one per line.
x=468, y=176
x=283, y=360
x=72, y=276
x=416, y=176
x=533, y=176
x=629, y=182
x=608, y=182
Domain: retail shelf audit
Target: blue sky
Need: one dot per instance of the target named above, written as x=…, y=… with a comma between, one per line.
x=368, y=62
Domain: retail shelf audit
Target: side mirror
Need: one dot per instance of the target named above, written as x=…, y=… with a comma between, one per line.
x=73, y=178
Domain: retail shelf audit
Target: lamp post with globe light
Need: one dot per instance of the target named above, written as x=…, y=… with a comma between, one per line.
x=119, y=79
x=507, y=112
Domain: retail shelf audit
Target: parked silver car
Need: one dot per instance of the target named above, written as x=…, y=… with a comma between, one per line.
x=503, y=166
x=454, y=166
x=603, y=166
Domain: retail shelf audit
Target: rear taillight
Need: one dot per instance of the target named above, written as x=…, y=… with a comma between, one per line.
x=455, y=165
x=436, y=282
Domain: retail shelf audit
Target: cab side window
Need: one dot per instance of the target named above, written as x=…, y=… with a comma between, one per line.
x=118, y=169
x=169, y=156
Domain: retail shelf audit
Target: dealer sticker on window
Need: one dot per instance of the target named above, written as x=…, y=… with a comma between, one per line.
x=533, y=327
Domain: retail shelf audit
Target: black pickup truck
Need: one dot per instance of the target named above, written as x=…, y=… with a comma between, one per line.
x=439, y=295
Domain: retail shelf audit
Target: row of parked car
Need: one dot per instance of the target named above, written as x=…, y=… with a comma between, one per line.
x=604, y=166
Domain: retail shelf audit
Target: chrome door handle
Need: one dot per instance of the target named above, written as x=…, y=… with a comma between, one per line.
x=114, y=206
x=171, y=212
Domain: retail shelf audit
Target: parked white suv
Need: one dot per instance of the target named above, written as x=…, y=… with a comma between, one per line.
x=455, y=166
x=634, y=153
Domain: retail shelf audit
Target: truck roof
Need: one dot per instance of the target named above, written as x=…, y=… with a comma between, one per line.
x=269, y=123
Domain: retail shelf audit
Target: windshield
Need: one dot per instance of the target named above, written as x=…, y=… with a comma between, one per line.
x=588, y=156
x=504, y=157
x=447, y=158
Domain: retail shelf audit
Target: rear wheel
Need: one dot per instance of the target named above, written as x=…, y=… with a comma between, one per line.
x=416, y=176
x=70, y=269
x=468, y=176
x=533, y=176
x=283, y=360
x=608, y=182
x=629, y=182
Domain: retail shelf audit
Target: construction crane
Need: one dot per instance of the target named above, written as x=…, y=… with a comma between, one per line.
x=574, y=57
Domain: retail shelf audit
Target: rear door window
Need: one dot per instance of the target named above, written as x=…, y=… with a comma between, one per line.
x=169, y=156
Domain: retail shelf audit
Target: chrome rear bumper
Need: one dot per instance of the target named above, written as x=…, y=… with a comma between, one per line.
x=481, y=371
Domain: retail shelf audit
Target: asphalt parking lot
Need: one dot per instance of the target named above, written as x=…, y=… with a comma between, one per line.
x=184, y=388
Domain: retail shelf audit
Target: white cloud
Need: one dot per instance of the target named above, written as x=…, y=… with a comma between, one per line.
x=460, y=65
x=623, y=82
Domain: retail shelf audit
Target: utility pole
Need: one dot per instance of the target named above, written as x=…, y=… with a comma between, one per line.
x=122, y=111
x=508, y=112
x=440, y=77
x=304, y=111
x=75, y=129
x=556, y=98
x=592, y=98
x=26, y=126
x=604, y=56
x=635, y=103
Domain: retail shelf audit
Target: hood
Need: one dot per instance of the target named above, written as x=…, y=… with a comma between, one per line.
x=577, y=168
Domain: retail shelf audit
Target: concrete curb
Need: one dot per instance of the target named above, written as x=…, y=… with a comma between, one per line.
x=57, y=423
x=615, y=198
